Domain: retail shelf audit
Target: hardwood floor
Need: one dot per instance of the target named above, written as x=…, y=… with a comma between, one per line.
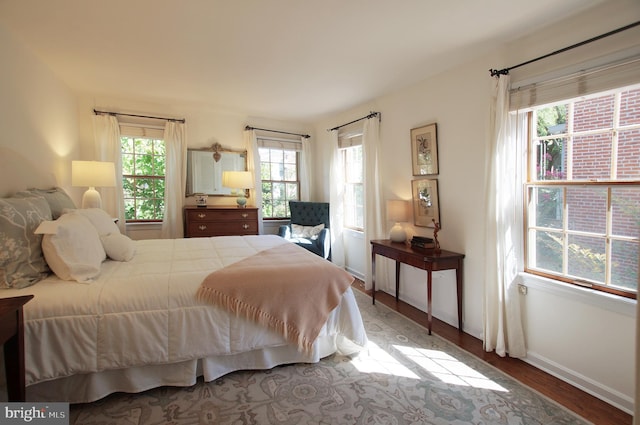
x=580, y=402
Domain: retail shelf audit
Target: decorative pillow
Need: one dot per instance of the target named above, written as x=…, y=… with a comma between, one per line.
x=21, y=261
x=103, y=223
x=57, y=198
x=118, y=246
x=307, y=232
x=74, y=251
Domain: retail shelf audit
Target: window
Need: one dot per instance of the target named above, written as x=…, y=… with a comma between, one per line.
x=280, y=182
x=582, y=193
x=353, y=174
x=143, y=171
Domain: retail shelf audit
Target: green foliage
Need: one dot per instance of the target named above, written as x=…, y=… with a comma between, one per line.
x=143, y=169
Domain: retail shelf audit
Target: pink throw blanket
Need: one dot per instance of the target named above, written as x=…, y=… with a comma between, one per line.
x=287, y=289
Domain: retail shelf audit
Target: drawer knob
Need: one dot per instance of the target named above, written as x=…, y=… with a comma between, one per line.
x=202, y=215
x=202, y=227
x=245, y=215
x=245, y=226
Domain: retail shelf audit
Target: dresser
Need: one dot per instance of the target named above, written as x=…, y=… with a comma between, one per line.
x=220, y=221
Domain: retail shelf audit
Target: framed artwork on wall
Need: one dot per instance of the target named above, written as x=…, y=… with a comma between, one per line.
x=424, y=150
x=426, y=208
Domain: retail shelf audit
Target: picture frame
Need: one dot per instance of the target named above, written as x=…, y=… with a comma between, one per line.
x=426, y=206
x=424, y=150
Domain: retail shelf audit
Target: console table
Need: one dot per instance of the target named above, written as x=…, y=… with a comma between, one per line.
x=12, y=336
x=425, y=259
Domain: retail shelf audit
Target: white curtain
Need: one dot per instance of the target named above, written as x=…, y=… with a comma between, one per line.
x=175, y=181
x=504, y=163
x=107, y=144
x=336, y=175
x=305, y=170
x=373, y=212
x=253, y=165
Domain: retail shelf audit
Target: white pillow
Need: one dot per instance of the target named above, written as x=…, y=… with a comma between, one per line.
x=118, y=246
x=308, y=232
x=103, y=223
x=74, y=251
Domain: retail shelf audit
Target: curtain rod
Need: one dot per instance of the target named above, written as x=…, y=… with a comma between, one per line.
x=182, y=120
x=371, y=115
x=505, y=71
x=306, y=136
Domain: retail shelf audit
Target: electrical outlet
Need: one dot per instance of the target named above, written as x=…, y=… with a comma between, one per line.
x=522, y=289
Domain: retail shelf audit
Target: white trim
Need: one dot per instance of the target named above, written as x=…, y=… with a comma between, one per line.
x=588, y=385
x=604, y=300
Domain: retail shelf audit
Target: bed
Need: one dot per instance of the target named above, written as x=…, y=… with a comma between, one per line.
x=138, y=324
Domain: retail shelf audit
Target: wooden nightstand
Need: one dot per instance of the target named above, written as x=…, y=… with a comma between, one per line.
x=12, y=336
x=220, y=221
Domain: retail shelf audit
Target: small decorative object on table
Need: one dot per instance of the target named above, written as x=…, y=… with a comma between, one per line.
x=201, y=199
x=436, y=229
x=422, y=242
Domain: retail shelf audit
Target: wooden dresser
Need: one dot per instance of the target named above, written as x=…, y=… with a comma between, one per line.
x=219, y=221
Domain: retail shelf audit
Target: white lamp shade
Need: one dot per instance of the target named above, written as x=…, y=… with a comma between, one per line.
x=397, y=210
x=237, y=179
x=93, y=174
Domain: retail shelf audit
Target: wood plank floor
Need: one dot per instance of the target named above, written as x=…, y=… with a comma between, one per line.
x=580, y=402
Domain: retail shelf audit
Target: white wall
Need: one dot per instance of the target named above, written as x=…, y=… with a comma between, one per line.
x=38, y=113
x=583, y=337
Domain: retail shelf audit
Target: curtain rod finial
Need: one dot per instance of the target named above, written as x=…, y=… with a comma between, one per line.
x=499, y=72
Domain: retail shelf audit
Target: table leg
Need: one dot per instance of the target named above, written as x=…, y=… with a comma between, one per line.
x=397, y=279
x=373, y=276
x=14, y=363
x=459, y=288
x=429, y=281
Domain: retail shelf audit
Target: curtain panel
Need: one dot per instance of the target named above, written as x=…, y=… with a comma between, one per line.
x=253, y=165
x=175, y=181
x=503, y=330
x=107, y=148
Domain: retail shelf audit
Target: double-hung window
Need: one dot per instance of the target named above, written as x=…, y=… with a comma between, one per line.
x=353, y=173
x=582, y=191
x=143, y=173
x=279, y=171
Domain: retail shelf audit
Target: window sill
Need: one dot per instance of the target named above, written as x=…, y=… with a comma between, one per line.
x=610, y=302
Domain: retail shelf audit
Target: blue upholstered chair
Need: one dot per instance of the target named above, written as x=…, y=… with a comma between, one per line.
x=304, y=230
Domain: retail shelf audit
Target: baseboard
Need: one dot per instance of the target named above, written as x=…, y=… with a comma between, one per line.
x=596, y=389
x=355, y=273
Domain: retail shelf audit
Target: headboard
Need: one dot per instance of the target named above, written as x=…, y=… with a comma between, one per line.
x=18, y=173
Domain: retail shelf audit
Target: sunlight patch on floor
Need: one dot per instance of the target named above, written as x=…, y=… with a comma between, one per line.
x=376, y=360
x=447, y=368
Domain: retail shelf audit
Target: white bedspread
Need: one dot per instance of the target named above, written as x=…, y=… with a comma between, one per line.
x=143, y=313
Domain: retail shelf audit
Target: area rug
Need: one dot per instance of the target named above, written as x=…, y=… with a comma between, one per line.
x=404, y=377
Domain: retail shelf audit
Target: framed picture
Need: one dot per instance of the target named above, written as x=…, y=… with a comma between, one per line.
x=424, y=150
x=425, y=202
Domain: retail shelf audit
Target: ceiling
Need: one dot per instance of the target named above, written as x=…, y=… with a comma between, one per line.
x=282, y=59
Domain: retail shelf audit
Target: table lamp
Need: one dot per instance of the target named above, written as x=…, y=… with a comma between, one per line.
x=397, y=212
x=238, y=181
x=92, y=174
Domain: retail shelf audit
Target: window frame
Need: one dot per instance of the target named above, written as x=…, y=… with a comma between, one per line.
x=355, y=143
x=533, y=182
x=271, y=181
x=126, y=177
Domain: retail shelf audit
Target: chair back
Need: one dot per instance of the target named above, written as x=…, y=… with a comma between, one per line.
x=309, y=213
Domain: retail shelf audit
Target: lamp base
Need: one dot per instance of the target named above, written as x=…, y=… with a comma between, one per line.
x=91, y=199
x=397, y=233
x=241, y=201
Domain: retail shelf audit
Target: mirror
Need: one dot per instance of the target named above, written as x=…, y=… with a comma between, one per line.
x=205, y=167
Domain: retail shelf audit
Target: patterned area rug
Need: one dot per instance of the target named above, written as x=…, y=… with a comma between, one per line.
x=405, y=377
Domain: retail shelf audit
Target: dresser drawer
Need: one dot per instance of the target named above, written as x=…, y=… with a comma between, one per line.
x=220, y=221
x=239, y=214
